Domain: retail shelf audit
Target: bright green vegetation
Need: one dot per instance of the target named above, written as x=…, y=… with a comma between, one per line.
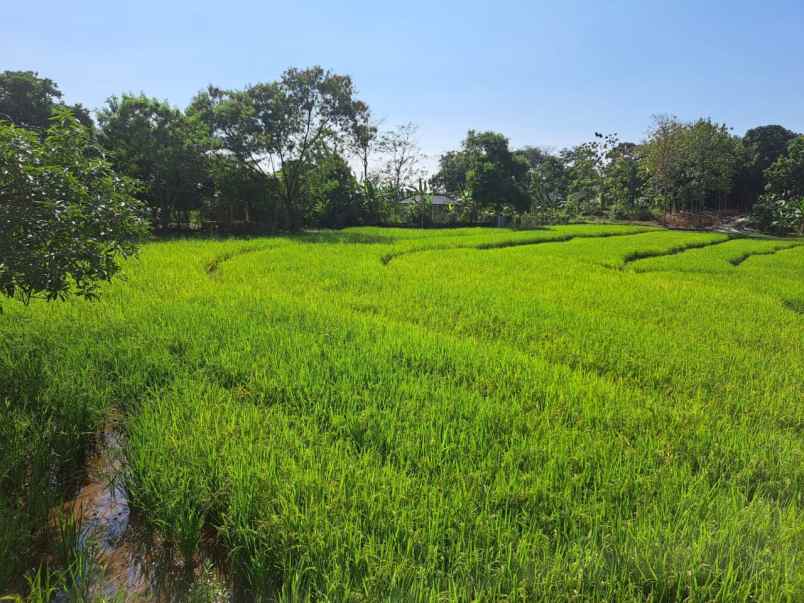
x=615, y=414
x=733, y=252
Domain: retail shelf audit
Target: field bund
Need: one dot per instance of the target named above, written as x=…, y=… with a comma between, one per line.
x=583, y=412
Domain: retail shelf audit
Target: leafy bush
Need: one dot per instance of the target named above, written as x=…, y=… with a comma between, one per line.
x=65, y=215
x=779, y=215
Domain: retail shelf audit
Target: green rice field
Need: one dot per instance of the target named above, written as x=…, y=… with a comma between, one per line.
x=584, y=412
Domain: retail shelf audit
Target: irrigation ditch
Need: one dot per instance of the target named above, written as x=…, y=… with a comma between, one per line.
x=119, y=558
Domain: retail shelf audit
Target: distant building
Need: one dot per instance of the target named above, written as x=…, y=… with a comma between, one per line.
x=438, y=200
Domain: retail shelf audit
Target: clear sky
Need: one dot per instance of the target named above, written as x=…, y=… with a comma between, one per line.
x=543, y=73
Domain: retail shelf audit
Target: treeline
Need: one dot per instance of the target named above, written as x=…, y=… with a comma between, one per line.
x=682, y=168
x=271, y=156
x=304, y=151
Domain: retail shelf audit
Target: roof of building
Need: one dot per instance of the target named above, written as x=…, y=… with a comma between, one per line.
x=437, y=200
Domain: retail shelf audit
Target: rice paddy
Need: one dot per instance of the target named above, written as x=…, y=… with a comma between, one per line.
x=585, y=412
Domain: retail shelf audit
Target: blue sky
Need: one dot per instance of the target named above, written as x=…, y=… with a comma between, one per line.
x=543, y=73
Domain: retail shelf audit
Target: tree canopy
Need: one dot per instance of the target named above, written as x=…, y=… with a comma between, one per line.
x=691, y=165
x=763, y=146
x=304, y=151
x=486, y=172
x=28, y=101
x=65, y=216
x=149, y=140
x=278, y=127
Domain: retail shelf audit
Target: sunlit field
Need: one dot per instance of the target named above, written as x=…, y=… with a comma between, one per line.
x=605, y=412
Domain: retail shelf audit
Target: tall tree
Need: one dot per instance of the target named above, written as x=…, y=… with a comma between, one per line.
x=337, y=198
x=278, y=128
x=401, y=168
x=239, y=198
x=28, y=101
x=623, y=180
x=364, y=140
x=586, y=168
x=486, y=172
x=781, y=208
x=691, y=166
x=496, y=177
x=763, y=145
x=582, y=164
x=451, y=175
x=535, y=156
x=157, y=144
x=548, y=186
x=785, y=175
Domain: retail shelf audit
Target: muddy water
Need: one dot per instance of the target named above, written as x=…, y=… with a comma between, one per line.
x=127, y=567
x=102, y=509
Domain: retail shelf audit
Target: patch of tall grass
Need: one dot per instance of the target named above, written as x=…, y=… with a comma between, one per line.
x=542, y=415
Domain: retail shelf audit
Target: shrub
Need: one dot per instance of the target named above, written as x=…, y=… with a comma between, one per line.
x=779, y=215
x=65, y=215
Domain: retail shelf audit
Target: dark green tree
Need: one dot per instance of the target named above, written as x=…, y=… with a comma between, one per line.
x=149, y=140
x=623, y=181
x=451, y=175
x=240, y=198
x=65, y=216
x=28, y=101
x=785, y=175
x=548, y=188
x=583, y=167
x=279, y=128
x=337, y=198
x=781, y=208
x=535, y=156
x=690, y=166
x=762, y=146
x=486, y=172
x=496, y=177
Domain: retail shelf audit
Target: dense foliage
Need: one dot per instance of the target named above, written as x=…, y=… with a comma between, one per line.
x=28, y=101
x=781, y=208
x=158, y=145
x=65, y=216
x=695, y=168
x=690, y=166
x=486, y=173
x=257, y=159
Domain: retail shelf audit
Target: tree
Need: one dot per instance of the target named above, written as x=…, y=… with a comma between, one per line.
x=401, y=168
x=239, y=198
x=364, y=139
x=535, y=156
x=277, y=128
x=623, y=180
x=337, y=198
x=149, y=140
x=582, y=165
x=786, y=175
x=486, y=172
x=65, y=215
x=496, y=177
x=690, y=166
x=781, y=207
x=27, y=100
x=548, y=187
x=451, y=175
x=763, y=146
x=595, y=172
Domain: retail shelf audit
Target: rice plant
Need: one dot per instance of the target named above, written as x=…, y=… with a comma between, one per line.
x=584, y=412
